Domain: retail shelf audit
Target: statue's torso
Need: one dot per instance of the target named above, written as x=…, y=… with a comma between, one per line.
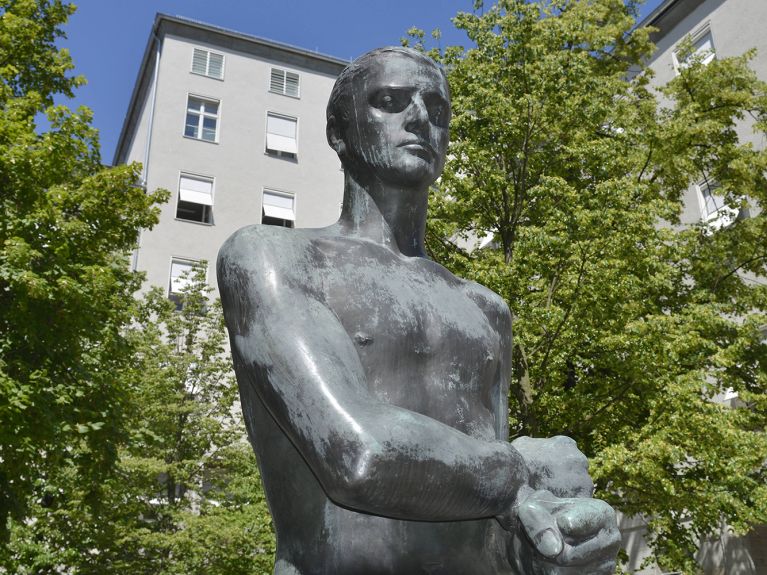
x=422, y=335
x=427, y=342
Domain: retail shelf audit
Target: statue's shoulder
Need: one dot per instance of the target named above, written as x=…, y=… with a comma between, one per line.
x=486, y=299
x=489, y=301
x=248, y=246
x=259, y=255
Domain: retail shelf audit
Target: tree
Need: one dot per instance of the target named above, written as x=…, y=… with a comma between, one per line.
x=66, y=290
x=186, y=498
x=626, y=323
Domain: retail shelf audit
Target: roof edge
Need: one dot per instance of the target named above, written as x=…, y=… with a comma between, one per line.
x=250, y=37
x=142, y=79
x=668, y=15
x=656, y=14
x=137, y=86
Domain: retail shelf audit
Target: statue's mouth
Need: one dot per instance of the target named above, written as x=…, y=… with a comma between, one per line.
x=420, y=148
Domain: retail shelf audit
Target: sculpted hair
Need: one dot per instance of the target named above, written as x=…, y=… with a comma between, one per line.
x=340, y=97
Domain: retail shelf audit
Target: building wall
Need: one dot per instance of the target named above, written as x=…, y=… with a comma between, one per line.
x=237, y=161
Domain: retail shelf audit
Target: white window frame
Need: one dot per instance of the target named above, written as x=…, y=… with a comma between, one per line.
x=208, y=54
x=199, y=177
x=284, y=91
x=696, y=37
x=181, y=260
x=723, y=215
x=202, y=114
x=283, y=193
x=276, y=151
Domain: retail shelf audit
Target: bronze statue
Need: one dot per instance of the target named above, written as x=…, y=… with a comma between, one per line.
x=374, y=382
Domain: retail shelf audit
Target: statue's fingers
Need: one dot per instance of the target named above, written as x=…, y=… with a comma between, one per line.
x=599, y=550
x=540, y=526
x=585, y=518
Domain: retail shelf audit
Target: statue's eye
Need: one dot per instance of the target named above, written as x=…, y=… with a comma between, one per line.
x=439, y=109
x=390, y=101
x=438, y=115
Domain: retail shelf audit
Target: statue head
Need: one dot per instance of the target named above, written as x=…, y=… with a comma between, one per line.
x=388, y=117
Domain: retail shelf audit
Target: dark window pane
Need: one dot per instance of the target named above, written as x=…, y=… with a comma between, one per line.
x=191, y=126
x=193, y=212
x=209, y=129
x=269, y=221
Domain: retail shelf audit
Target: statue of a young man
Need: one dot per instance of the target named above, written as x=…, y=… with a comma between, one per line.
x=374, y=382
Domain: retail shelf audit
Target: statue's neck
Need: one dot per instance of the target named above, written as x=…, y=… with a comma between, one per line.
x=394, y=216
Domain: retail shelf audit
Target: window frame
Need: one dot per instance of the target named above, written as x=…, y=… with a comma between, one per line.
x=720, y=218
x=284, y=91
x=201, y=116
x=207, y=73
x=695, y=37
x=278, y=192
x=209, y=209
x=174, y=296
x=279, y=153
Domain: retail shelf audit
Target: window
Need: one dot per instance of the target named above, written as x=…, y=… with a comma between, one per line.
x=208, y=63
x=195, y=199
x=702, y=48
x=201, y=119
x=181, y=272
x=281, y=135
x=713, y=210
x=284, y=82
x=278, y=209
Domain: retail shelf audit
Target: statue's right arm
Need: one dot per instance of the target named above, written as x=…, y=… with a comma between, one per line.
x=367, y=454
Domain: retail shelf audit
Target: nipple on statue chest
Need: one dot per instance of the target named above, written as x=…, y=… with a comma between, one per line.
x=362, y=338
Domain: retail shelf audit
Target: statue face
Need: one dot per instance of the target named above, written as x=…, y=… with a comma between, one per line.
x=398, y=121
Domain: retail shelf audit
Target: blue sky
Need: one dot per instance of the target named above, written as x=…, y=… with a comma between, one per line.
x=107, y=37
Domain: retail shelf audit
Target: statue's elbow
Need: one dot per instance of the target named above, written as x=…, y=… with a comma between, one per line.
x=356, y=482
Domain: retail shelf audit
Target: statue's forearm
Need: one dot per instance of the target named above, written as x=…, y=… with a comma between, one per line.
x=410, y=466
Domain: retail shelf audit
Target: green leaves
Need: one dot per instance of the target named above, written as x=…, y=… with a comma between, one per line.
x=32, y=68
x=626, y=323
x=66, y=291
x=185, y=495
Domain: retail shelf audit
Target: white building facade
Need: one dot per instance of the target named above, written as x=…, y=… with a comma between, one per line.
x=234, y=127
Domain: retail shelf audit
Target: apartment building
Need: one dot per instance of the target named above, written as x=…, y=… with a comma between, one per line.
x=717, y=29
x=234, y=127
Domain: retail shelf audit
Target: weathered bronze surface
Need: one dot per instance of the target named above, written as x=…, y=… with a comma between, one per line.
x=374, y=382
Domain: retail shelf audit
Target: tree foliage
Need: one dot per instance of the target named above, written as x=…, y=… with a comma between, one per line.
x=627, y=323
x=65, y=286
x=121, y=450
x=186, y=497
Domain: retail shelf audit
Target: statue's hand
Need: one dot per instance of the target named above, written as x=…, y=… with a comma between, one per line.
x=564, y=536
x=556, y=465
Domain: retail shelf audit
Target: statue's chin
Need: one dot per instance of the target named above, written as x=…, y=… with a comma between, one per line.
x=418, y=174
x=407, y=169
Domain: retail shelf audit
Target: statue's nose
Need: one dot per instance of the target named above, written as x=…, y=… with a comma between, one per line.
x=418, y=116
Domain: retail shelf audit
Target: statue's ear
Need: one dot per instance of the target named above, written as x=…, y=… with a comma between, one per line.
x=333, y=132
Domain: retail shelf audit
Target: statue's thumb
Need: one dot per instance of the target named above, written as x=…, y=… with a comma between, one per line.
x=541, y=528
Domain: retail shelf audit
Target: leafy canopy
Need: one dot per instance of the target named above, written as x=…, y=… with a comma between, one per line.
x=627, y=321
x=65, y=287
x=186, y=497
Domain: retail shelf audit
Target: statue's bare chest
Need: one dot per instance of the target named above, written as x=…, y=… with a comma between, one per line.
x=396, y=297
x=422, y=335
